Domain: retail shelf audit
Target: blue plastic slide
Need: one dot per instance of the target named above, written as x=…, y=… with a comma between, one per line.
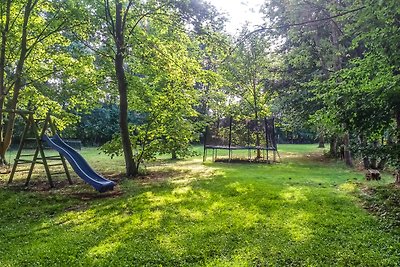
x=79, y=164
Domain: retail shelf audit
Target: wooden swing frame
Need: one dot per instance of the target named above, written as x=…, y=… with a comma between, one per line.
x=39, y=156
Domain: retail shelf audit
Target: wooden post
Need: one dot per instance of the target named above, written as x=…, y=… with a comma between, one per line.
x=21, y=146
x=32, y=125
x=64, y=163
x=40, y=149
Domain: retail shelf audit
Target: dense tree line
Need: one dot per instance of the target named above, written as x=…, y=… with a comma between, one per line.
x=155, y=72
x=341, y=69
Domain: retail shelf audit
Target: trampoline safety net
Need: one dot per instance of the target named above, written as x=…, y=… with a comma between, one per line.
x=253, y=139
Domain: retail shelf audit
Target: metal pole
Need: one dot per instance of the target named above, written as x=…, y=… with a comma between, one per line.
x=230, y=138
x=205, y=145
x=266, y=137
x=274, y=138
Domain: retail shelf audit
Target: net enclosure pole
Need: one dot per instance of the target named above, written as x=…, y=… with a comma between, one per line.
x=266, y=136
x=230, y=138
x=205, y=144
x=273, y=137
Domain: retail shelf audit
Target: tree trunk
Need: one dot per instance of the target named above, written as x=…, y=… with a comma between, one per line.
x=173, y=155
x=4, y=33
x=397, y=177
x=347, y=153
x=130, y=166
x=398, y=126
x=365, y=157
x=381, y=164
x=397, y=172
x=12, y=104
x=321, y=141
x=366, y=163
x=333, y=150
x=373, y=162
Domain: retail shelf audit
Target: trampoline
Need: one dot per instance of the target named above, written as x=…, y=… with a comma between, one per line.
x=239, y=140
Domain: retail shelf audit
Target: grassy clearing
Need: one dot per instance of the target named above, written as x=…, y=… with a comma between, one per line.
x=302, y=212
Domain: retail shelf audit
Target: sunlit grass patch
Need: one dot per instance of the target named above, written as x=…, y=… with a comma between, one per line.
x=349, y=187
x=186, y=213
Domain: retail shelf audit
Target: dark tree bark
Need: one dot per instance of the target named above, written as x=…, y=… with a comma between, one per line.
x=4, y=33
x=397, y=177
x=366, y=161
x=398, y=126
x=8, y=129
x=321, y=141
x=374, y=160
x=333, y=149
x=347, y=153
x=130, y=166
x=397, y=172
x=381, y=164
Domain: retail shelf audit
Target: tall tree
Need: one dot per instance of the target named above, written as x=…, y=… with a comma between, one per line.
x=124, y=38
x=248, y=70
x=26, y=28
x=314, y=48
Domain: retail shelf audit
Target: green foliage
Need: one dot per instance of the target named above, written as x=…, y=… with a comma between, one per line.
x=154, y=57
x=41, y=71
x=162, y=88
x=247, y=70
x=358, y=95
x=100, y=125
x=341, y=73
x=309, y=52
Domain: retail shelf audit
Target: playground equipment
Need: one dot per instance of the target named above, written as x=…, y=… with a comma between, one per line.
x=79, y=164
x=38, y=128
x=257, y=137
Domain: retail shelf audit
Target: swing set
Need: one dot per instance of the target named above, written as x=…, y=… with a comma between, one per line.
x=36, y=127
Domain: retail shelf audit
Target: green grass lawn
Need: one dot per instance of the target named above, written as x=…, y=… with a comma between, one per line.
x=305, y=211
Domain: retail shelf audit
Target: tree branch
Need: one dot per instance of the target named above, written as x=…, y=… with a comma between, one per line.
x=148, y=13
x=16, y=17
x=42, y=37
x=92, y=48
x=264, y=29
x=325, y=11
x=109, y=18
x=126, y=14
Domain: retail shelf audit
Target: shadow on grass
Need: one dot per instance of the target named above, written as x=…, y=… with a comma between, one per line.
x=212, y=214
